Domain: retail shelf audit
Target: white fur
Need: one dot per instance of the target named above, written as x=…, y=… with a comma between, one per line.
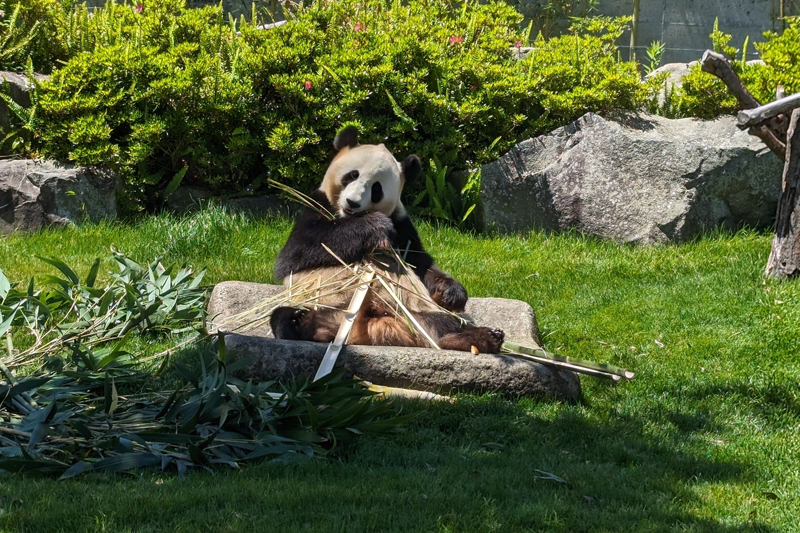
x=374, y=164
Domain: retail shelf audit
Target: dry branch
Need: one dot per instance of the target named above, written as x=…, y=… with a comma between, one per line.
x=784, y=259
x=773, y=133
x=753, y=117
x=719, y=66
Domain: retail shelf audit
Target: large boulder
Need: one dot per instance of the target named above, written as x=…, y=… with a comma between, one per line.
x=633, y=178
x=34, y=194
x=413, y=368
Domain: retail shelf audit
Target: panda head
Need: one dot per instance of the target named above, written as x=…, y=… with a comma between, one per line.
x=364, y=178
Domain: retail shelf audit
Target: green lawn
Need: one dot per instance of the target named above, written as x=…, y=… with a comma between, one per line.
x=705, y=438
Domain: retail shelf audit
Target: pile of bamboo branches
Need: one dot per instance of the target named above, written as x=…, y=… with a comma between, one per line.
x=74, y=400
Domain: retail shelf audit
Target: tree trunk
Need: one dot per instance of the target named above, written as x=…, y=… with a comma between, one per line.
x=784, y=259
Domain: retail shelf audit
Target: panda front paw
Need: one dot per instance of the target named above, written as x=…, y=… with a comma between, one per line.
x=379, y=231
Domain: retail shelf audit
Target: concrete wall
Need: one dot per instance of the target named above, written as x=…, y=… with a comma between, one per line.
x=684, y=25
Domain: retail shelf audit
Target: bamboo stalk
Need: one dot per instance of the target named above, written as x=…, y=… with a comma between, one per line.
x=332, y=353
x=634, y=30
x=409, y=394
x=16, y=432
x=578, y=365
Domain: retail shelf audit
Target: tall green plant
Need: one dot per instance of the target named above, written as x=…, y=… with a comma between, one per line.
x=19, y=139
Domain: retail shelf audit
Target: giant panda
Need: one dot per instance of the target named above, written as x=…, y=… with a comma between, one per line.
x=362, y=187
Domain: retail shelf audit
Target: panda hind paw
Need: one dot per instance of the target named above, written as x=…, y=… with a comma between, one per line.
x=286, y=321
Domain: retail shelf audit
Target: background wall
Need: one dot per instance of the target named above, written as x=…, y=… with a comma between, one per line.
x=684, y=25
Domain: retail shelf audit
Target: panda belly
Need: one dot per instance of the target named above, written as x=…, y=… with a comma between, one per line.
x=326, y=294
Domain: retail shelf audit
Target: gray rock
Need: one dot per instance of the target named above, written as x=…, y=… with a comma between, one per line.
x=231, y=298
x=187, y=198
x=414, y=368
x=674, y=80
x=633, y=178
x=257, y=206
x=440, y=371
x=18, y=89
x=34, y=194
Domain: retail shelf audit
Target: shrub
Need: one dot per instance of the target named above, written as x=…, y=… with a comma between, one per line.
x=159, y=93
x=551, y=17
x=706, y=96
x=181, y=89
x=23, y=29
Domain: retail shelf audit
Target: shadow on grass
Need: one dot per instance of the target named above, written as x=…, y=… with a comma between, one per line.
x=621, y=473
x=481, y=464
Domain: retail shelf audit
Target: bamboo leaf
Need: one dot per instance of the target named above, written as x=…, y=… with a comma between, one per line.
x=61, y=266
x=5, y=286
x=78, y=468
x=92, y=276
x=126, y=461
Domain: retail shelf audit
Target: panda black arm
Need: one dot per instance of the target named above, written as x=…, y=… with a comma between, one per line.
x=444, y=290
x=409, y=245
x=350, y=238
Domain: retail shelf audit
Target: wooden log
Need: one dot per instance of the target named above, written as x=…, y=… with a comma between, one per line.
x=719, y=66
x=784, y=259
x=773, y=133
x=769, y=138
x=754, y=117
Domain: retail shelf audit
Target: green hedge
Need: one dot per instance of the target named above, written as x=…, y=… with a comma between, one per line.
x=168, y=94
x=704, y=95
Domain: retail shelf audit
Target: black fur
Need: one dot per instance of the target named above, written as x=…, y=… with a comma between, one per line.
x=346, y=137
x=353, y=238
x=411, y=167
x=285, y=322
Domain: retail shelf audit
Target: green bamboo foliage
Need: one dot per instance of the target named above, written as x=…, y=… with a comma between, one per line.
x=73, y=399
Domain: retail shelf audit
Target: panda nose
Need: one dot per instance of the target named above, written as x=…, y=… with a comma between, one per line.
x=353, y=203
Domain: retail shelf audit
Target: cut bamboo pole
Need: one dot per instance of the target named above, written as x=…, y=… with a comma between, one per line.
x=591, y=368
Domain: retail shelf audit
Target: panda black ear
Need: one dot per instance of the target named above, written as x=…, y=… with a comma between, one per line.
x=347, y=137
x=411, y=167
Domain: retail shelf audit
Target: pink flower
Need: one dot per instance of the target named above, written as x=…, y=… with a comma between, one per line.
x=139, y=8
x=308, y=85
x=454, y=39
x=518, y=44
x=359, y=27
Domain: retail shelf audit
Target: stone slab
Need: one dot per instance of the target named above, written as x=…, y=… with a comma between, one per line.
x=413, y=368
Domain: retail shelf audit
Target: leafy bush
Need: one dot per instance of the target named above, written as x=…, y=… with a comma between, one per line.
x=551, y=17
x=158, y=93
x=180, y=95
x=23, y=33
x=704, y=95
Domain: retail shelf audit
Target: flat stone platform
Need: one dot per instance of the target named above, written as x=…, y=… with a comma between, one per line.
x=427, y=369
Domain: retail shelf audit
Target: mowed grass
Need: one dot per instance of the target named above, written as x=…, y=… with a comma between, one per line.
x=705, y=438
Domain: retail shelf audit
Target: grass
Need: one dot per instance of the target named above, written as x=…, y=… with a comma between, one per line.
x=705, y=438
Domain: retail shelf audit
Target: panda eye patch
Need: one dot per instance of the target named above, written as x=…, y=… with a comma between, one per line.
x=377, y=192
x=349, y=178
